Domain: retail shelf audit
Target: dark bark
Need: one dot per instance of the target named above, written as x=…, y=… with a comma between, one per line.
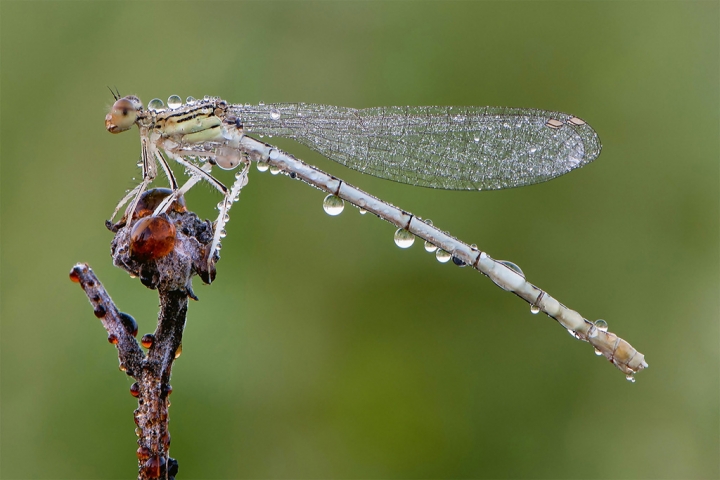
x=172, y=276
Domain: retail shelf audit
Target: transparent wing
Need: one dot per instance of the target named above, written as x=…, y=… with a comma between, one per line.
x=455, y=148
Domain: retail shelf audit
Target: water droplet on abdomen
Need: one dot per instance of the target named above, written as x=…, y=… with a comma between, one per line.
x=512, y=267
x=442, y=256
x=403, y=238
x=457, y=261
x=333, y=205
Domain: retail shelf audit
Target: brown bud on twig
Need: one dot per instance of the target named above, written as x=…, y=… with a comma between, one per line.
x=165, y=251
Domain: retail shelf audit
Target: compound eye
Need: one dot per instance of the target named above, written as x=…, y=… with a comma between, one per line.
x=122, y=116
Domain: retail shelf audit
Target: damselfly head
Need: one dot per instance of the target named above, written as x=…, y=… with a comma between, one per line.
x=123, y=114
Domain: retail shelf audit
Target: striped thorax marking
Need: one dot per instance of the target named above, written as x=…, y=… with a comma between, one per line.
x=191, y=124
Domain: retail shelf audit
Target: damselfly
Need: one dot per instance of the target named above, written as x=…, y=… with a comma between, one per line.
x=456, y=148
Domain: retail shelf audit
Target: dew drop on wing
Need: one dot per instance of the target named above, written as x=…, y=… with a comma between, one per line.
x=190, y=100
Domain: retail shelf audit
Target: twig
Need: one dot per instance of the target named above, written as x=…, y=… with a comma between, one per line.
x=171, y=275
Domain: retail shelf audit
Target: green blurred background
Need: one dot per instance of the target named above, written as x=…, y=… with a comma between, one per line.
x=323, y=350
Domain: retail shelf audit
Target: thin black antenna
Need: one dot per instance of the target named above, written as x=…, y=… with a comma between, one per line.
x=115, y=94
